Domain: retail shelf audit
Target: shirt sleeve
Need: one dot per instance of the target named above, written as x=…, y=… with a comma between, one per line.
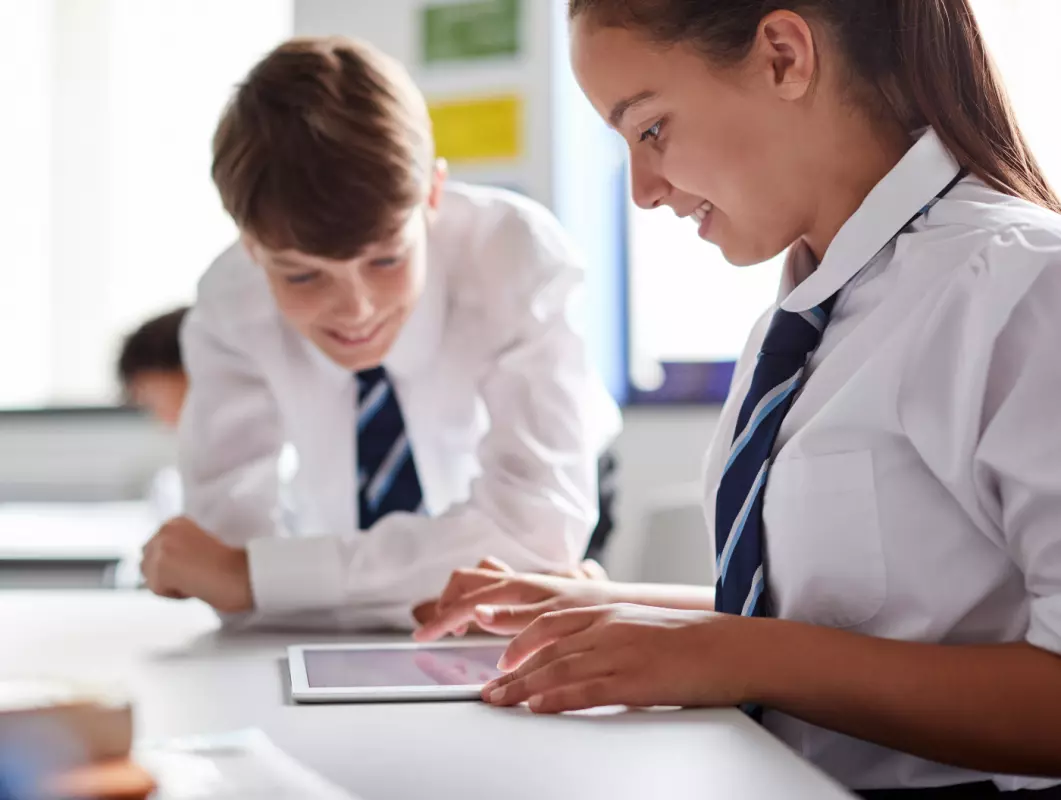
x=981, y=396
x=1017, y=464
x=534, y=503
x=229, y=436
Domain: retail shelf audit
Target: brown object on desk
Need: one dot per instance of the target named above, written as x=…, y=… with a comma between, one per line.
x=109, y=780
x=84, y=723
x=75, y=740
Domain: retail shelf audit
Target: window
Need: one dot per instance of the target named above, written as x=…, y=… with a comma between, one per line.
x=107, y=207
x=690, y=311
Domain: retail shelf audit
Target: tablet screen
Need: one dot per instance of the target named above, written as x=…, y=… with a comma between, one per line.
x=453, y=666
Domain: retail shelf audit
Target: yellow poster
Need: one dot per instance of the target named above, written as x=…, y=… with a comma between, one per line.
x=478, y=129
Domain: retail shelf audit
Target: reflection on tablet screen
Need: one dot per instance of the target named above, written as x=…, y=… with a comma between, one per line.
x=458, y=666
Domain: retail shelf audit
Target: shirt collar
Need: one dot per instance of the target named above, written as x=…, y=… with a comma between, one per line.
x=421, y=335
x=919, y=176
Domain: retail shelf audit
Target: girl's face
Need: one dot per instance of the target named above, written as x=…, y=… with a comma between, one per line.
x=724, y=147
x=353, y=309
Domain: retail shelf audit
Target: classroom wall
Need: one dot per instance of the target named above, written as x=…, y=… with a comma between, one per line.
x=24, y=164
x=393, y=27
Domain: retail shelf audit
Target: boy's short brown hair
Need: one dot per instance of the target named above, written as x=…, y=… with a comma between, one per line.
x=324, y=148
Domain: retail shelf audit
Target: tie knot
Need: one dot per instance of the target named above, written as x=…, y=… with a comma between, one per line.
x=797, y=333
x=368, y=378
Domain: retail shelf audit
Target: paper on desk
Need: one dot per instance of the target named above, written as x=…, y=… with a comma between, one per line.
x=241, y=765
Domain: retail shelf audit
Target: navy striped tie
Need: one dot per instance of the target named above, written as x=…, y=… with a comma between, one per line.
x=386, y=473
x=741, y=572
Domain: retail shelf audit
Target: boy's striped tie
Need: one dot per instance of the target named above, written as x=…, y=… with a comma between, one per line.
x=386, y=473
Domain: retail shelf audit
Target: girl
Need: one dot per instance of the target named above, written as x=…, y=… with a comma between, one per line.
x=885, y=484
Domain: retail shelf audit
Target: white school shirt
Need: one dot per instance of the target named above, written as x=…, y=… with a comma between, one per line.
x=504, y=414
x=916, y=487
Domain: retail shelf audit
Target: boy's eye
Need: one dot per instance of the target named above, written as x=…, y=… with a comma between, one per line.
x=389, y=261
x=305, y=277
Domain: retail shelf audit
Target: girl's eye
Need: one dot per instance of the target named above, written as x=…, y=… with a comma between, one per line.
x=653, y=132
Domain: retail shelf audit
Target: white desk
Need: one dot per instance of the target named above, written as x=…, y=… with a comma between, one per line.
x=73, y=545
x=188, y=678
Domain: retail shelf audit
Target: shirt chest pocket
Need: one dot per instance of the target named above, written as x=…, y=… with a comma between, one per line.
x=825, y=561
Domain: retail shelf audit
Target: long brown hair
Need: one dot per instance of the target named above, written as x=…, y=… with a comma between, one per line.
x=926, y=59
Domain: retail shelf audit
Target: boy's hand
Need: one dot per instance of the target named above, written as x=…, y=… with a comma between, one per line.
x=182, y=560
x=427, y=612
x=495, y=599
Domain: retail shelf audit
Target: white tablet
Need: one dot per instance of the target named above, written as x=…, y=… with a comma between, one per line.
x=369, y=673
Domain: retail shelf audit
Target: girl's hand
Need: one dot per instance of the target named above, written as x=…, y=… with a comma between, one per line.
x=628, y=655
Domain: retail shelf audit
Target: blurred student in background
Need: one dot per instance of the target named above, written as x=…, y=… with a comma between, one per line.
x=152, y=377
x=151, y=370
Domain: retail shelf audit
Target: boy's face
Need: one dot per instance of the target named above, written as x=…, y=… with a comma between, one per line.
x=354, y=309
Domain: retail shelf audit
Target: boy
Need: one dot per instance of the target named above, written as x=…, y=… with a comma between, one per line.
x=412, y=341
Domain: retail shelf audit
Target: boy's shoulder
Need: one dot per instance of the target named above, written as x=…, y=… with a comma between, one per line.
x=485, y=231
x=473, y=198
x=233, y=299
x=496, y=211
x=236, y=282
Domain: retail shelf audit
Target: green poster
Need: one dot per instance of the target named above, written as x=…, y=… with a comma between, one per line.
x=466, y=31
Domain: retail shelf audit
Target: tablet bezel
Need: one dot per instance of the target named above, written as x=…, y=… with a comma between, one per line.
x=302, y=692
